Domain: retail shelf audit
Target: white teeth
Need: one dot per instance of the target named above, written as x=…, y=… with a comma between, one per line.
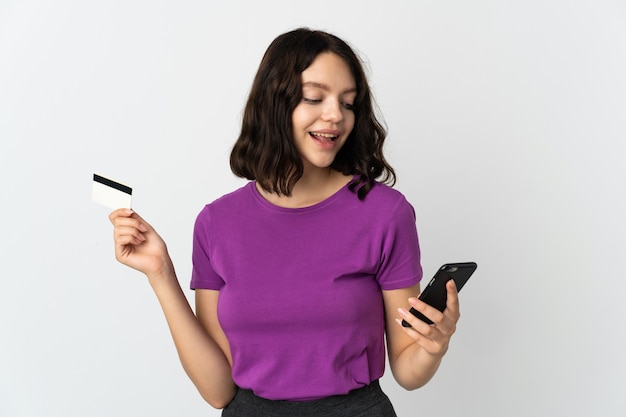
x=324, y=135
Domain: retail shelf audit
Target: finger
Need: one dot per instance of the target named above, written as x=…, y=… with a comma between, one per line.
x=452, y=302
x=123, y=212
x=428, y=343
x=134, y=221
x=124, y=235
x=429, y=311
x=443, y=322
x=418, y=325
x=119, y=215
x=410, y=331
x=136, y=215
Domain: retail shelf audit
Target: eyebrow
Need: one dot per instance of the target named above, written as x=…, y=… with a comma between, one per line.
x=325, y=87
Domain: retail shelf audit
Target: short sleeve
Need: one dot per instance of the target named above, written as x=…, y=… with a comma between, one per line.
x=400, y=265
x=203, y=276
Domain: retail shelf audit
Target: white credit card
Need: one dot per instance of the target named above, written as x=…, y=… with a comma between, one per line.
x=111, y=193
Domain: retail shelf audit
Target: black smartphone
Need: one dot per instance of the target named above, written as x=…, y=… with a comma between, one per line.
x=435, y=292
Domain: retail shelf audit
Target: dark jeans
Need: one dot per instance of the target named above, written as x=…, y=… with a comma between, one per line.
x=369, y=401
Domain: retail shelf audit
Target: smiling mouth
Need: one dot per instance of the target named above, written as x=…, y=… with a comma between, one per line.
x=323, y=137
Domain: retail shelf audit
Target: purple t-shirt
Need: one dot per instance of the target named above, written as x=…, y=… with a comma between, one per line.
x=300, y=289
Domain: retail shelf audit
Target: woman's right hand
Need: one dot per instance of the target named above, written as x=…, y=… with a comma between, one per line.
x=138, y=245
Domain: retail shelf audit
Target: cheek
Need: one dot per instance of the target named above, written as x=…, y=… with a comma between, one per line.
x=298, y=119
x=350, y=121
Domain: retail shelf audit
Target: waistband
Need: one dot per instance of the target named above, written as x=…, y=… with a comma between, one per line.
x=368, y=401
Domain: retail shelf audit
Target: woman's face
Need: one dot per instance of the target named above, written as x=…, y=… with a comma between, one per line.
x=324, y=118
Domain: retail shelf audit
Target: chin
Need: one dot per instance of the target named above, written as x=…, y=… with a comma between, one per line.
x=318, y=164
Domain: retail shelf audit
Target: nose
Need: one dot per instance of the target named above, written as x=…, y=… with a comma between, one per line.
x=332, y=111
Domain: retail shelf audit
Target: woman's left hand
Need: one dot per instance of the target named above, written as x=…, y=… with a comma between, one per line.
x=433, y=338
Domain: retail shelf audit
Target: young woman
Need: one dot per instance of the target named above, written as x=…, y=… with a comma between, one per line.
x=301, y=274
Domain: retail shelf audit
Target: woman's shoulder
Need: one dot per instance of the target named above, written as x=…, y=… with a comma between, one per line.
x=382, y=193
x=229, y=202
x=235, y=196
x=381, y=202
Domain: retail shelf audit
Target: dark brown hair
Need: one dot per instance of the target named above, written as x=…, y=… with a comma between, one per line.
x=265, y=150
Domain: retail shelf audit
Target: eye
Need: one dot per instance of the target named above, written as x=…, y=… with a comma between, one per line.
x=348, y=106
x=311, y=100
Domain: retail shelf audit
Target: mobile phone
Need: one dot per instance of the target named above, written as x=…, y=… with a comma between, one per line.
x=435, y=293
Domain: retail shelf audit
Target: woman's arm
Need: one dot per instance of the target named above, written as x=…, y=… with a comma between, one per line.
x=200, y=345
x=415, y=353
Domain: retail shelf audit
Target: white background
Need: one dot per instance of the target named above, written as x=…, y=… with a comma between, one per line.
x=507, y=127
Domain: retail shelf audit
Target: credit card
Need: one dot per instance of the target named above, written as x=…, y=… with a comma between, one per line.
x=111, y=193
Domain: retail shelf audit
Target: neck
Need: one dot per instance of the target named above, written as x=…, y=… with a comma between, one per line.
x=313, y=180
x=315, y=186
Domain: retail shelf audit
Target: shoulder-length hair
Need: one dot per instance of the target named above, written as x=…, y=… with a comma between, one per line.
x=265, y=150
